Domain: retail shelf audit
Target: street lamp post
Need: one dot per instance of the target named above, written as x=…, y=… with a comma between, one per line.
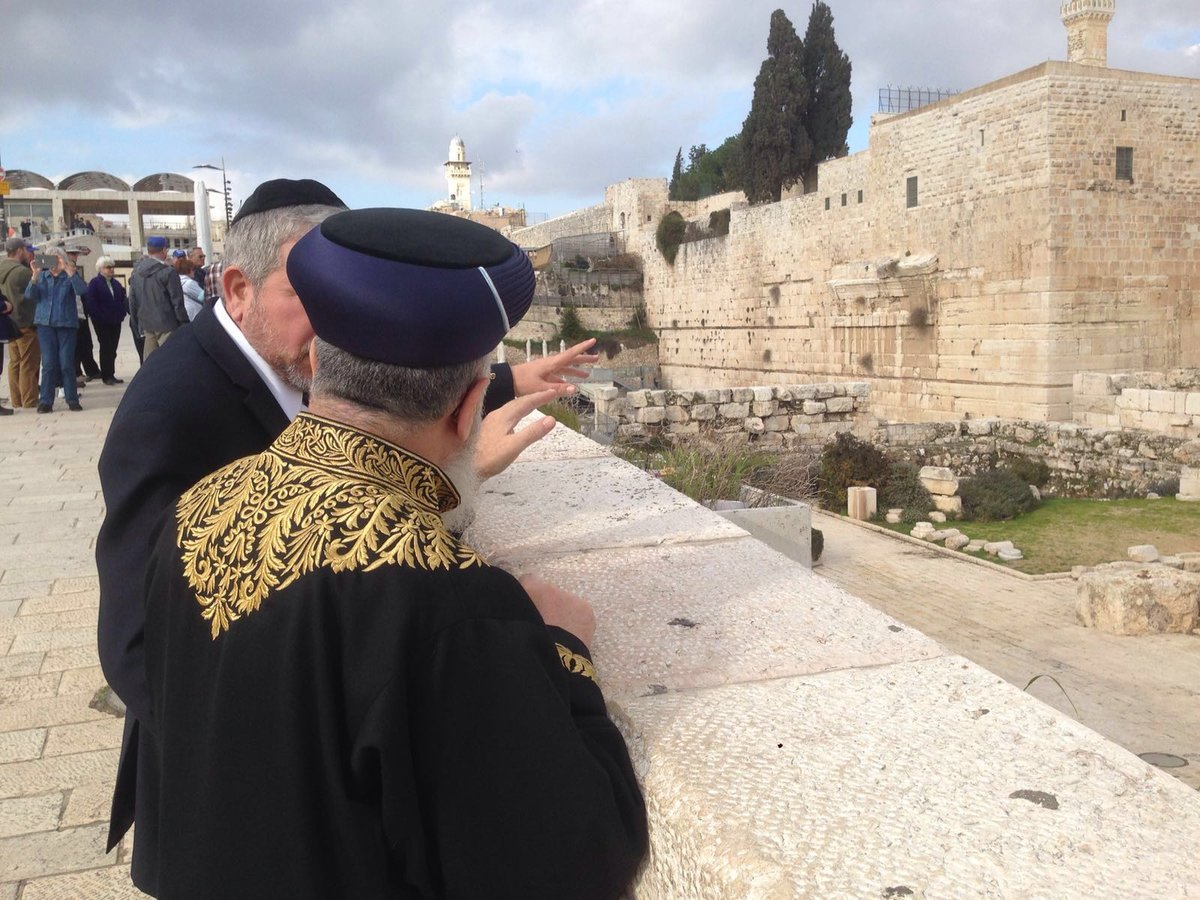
x=224, y=187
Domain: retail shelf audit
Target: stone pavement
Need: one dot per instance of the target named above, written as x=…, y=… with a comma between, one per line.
x=1140, y=692
x=58, y=757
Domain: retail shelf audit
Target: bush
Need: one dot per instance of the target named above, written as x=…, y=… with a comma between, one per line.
x=718, y=222
x=570, y=328
x=669, y=235
x=1031, y=471
x=903, y=489
x=995, y=494
x=706, y=472
x=848, y=462
x=1168, y=487
x=817, y=543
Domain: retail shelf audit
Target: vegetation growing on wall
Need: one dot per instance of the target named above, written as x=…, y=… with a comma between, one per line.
x=669, y=235
x=708, y=171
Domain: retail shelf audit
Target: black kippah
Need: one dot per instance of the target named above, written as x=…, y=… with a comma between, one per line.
x=281, y=192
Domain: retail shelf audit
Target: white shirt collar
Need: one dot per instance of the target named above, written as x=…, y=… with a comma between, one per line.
x=290, y=400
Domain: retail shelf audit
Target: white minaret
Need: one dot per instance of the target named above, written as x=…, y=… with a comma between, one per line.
x=1087, y=30
x=458, y=174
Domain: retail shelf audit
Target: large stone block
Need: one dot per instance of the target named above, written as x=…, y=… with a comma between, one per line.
x=763, y=408
x=948, y=505
x=814, y=407
x=754, y=425
x=676, y=414
x=777, y=423
x=651, y=415
x=703, y=412
x=1189, y=484
x=939, y=480
x=861, y=503
x=742, y=395
x=840, y=404
x=762, y=394
x=734, y=410
x=1148, y=599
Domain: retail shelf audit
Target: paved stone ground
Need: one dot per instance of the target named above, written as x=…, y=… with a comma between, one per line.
x=58, y=757
x=1143, y=693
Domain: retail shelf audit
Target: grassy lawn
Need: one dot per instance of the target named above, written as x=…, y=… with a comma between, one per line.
x=1064, y=533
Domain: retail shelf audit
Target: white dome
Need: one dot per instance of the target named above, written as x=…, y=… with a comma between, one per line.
x=458, y=150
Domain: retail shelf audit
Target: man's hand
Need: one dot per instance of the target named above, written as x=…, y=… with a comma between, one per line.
x=498, y=444
x=548, y=372
x=560, y=608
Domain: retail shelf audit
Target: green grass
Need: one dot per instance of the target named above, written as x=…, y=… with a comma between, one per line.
x=1062, y=533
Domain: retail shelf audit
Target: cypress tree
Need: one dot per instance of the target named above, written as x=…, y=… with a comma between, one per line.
x=673, y=187
x=776, y=149
x=827, y=119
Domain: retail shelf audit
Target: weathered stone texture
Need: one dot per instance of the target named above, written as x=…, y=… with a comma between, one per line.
x=1138, y=600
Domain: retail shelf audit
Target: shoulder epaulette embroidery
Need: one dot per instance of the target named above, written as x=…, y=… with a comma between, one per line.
x=322, y=496
x=575, y=663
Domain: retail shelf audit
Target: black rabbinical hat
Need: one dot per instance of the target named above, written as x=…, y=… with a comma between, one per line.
x=410, y=287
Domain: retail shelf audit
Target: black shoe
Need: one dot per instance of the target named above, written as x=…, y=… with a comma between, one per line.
x=44, y=408
x=5, y=411
x=74, y=407
x=91, y=377
x=116, y=380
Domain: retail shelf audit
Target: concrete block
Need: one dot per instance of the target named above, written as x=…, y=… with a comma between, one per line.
x=787, y=529
x=861, y=503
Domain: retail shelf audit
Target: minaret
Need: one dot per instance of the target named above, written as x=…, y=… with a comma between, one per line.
x=1087, y=30
x=458, y=174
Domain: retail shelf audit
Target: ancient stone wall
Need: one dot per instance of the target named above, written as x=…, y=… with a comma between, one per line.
x=1084, y=462
x=1166, y=403
x=591, y=220
x=1022, y=260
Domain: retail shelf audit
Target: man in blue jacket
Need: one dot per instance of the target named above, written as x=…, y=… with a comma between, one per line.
x=57, y=326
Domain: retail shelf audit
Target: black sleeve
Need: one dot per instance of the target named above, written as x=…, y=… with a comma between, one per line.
x=501, y=389
x=526, y=785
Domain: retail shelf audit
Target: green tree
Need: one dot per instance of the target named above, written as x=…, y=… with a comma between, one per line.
x=776, y=149
x=676, y=174
x=826, y=118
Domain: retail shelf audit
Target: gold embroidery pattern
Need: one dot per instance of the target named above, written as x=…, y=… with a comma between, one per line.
x=322, y=496
x=575, y=663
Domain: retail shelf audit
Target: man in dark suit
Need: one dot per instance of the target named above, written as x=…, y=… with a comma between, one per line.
x=223, y=388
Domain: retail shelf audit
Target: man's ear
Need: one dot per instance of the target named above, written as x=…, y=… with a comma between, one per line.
x=472, y=402
x=238, y=293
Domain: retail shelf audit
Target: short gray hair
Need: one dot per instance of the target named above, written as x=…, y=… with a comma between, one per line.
x=252, y=245
x=413, y=395
x=104, y=262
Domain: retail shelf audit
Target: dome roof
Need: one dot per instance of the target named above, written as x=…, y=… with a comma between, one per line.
x=21, y=178
x=92, y=181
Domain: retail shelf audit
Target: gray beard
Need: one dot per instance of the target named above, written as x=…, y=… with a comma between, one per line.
x=462, y=474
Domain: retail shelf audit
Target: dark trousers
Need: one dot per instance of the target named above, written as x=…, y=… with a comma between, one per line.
x=108, y=336
x=85, y=360
x=138, y=341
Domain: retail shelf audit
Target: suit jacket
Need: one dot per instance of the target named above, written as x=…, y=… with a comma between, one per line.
x=196, y=405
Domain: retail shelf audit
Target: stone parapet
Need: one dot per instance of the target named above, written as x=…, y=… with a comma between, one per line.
x=794, y=741
x=1162, y=402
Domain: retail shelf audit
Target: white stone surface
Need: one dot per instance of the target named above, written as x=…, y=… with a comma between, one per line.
x=911, y=776
x=1010, y=555
x=1143, y=553
x=786, y=529
x=948, y=505
x=957, y=541
x=1138, y=600
x=1189, y=484
x=937, y=516
x=939, y=480
x=994, y=547
x=861, y=503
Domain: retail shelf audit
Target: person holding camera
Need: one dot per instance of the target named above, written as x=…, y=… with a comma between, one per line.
x=54, y=285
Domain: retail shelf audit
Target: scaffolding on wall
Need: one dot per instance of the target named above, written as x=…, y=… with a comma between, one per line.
x=906, y=99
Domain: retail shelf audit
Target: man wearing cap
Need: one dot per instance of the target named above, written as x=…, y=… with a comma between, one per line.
x=24, y=355
x=155, y=297
x=222, y=389
x=349, y=701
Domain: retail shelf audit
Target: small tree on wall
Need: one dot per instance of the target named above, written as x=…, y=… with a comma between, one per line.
x=827, y=118
x=669, y=235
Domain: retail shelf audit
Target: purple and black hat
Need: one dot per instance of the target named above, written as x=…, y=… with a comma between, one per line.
x=410, y=287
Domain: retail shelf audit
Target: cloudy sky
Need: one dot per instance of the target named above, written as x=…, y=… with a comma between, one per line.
x=553, y=99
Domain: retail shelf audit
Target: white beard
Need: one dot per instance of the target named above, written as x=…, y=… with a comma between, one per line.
x=462, y=474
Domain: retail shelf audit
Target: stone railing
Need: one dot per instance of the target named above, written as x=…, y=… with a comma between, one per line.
x=1166, y=403
x=794, y=741
x=772, y=416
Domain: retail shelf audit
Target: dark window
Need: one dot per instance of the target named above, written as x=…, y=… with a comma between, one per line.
x=1122, y=115
x=843, y=199
x=827, y=203
x=1125, y=164
x=912, y=191
x=860, y=196
x=980, y=137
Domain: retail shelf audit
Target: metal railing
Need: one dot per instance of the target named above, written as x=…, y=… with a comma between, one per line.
x=898, y=100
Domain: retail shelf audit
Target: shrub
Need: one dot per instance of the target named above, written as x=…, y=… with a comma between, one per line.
x=718, y=222
x=995, y=494
x=848, y=462
x=817, y=543
x=903, y=489
x=669, y=235
x=1168, y=487
x=792, y=475
x=570, y=329
x=1031, y=471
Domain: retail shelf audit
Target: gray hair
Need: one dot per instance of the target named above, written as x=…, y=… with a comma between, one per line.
x=413, y=395
x=104, y=262
x=253, y=243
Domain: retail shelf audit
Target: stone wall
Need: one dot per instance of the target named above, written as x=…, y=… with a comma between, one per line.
x=793, y=741
x=1024, y=260
x=591, y=220
x=770, y=417
x=1086, y=462
x=1166, y=403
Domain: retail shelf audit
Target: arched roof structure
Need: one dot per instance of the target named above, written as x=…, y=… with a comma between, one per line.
x=165, y=181
x=92, y=181
x=21, y=179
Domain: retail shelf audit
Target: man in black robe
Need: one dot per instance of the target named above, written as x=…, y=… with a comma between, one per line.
x=222, y=388
x=348, y=700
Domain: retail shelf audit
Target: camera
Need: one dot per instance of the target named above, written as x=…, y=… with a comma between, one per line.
x=46, y=260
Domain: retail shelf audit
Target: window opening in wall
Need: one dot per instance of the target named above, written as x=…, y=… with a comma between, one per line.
x=827, y=203
x=843, y=199
x=622, y=221
x=1125, y=164
x=860, y=196
x=1122, y=115
x=912, y=191
x=980, y=137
